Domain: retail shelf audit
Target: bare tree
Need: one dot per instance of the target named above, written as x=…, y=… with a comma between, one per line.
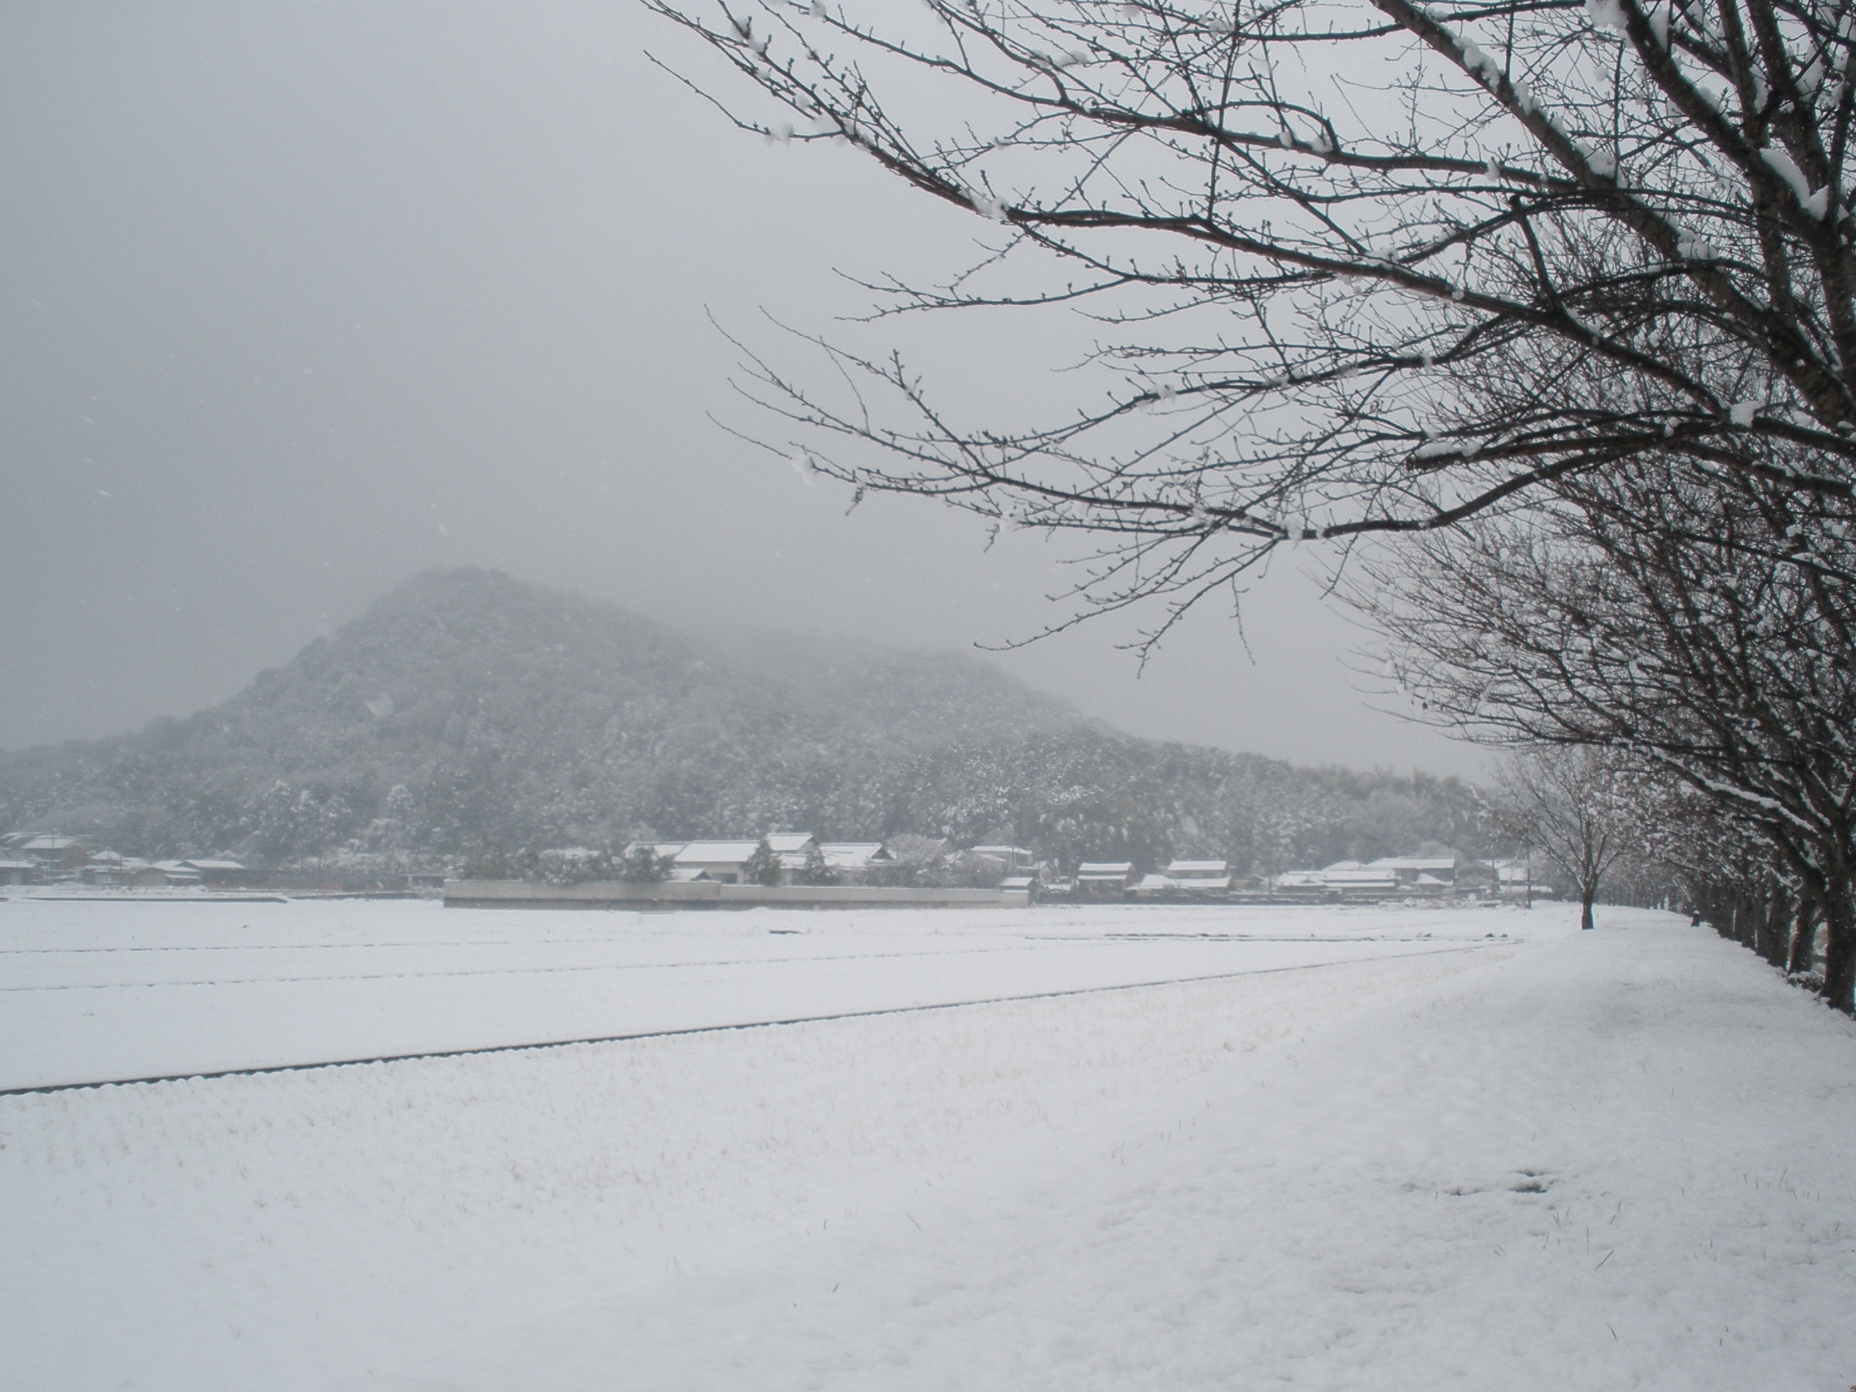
x=1735, y=881
x=1575, y=806
x=1300, y=272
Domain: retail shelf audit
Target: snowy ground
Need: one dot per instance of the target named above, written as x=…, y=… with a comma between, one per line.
x=1618, y=1159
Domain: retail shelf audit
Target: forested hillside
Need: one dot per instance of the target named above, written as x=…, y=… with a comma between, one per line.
x=466, y=705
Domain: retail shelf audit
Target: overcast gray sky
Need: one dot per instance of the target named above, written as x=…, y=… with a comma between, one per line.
x=301, y=299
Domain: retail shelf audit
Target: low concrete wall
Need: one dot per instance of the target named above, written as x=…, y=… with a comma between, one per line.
x=616, y=894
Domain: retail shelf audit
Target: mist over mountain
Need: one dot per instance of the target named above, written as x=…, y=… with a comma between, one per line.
x=466, y=705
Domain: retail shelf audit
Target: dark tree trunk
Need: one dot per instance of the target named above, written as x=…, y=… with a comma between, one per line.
x=1718, y=910
x=1773, y=925
x=1840, y=948
x=1585, y=909
x=1804, y=936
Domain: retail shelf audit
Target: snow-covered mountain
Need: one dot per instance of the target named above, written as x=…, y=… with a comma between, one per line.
x=466, y=704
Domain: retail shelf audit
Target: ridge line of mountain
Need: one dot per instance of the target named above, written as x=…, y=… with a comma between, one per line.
x=465, y=705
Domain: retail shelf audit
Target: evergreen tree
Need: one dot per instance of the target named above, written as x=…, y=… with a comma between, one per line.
x=643, y=865
x=763, y=867
x=484, y=859
x=818, y=870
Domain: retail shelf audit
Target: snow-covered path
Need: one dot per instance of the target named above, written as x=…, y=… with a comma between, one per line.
x=1619, y=1159
x=1626, y=1161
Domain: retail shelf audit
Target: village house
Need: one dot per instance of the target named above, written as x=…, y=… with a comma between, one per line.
x=1104, y=879
x=725, y=861
x=177, y=872
x=107, y=868
x=1349, y=879
x=1013, y=860
x=794, y=849
x=856, y=860
x=1419, y=874
x=1299, y=884
x=218, y=873
x=1187, y=879
x=53, y=854
x=1200, y=879
x=1514, y=879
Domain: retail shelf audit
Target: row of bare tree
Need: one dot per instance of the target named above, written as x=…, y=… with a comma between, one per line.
x=1692, y=636
x=1614, y=826
x=1541, y=316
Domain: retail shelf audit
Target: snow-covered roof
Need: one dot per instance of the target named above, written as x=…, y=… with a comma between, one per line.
x=1419, y=863
x=1001, y=850
x=1017, y=882
x=11, y=863
x=1104, y=869
x=1301, y=878
x=688, y=874
x=716, y=852
x=848, y=855
x=788, y=842
x=235, y=865
x=50, y=843
x=1198, y=867
x=1432, y=882
x=1341, y=865
x=1197, y=882
x=1152, y=884
x=1359, y=879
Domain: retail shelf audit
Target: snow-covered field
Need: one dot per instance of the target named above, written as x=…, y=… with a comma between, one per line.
x=1344, y=1148
x=129, y=986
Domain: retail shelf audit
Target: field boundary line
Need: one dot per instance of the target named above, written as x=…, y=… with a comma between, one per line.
x=207, y=1075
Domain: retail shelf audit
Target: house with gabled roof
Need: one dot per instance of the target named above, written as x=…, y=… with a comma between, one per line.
x=217, y=870
x=1301, y=884
x=855, y=859
x=1012, y=859
x=1104, y=879
x=1200, y=879
x=1431, y=874
x=176, y=872
x=717, y=860
x=784, y=843
x=54, y=853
